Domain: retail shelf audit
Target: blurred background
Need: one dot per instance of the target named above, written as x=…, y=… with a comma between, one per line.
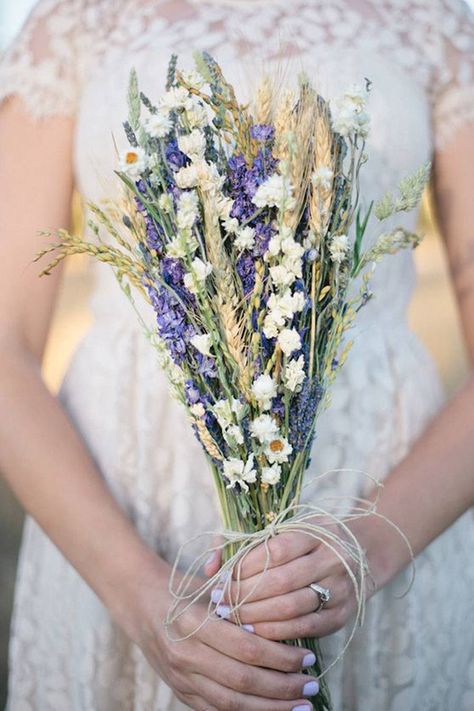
x=432, y=312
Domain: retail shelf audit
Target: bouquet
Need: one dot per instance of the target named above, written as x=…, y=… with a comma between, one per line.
x=241, y=226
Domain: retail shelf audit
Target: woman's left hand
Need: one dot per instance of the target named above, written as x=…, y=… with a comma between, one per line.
x=281, y=605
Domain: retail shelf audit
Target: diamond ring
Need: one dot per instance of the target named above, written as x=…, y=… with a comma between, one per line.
x=323, y=594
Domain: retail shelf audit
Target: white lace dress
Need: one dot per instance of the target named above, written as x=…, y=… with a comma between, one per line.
x=73, y=57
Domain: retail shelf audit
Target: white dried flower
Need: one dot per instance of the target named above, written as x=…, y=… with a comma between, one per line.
x=289, y=341
x=245, y=238
x=238, y=472
x=187, y=176
x=202, y=342
x=174, y=98
x=264, y=389
x=278, y=450
x=193, y=144
x=275, y=191
x=294, y=375
x=231, y=225
x=158, y=125
x=197, y=276
x=271, y=475
x=322, y=177
x=233, y=434
x=264, y=428
x=133, y=162
x=338, y=248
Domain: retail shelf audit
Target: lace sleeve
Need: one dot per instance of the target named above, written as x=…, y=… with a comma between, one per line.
x=452, y=92
x=41, y=64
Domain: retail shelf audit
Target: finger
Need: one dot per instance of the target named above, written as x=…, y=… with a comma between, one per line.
x=214, y=562
x=283, y=607
x=239, y=644
x=280, y=549
x=254, y=680
x=279, y=581
x=224, y=698
x=315, y=625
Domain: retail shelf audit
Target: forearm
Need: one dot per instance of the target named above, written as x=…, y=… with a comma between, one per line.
x=427, y=491
x=49, y=469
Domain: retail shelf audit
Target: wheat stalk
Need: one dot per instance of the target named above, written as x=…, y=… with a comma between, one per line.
x=206, y=439
x=226, y=299
x=264, y=101
x=284, y=122
x=322, y=195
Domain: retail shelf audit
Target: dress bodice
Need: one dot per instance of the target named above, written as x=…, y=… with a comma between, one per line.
x=74, y=57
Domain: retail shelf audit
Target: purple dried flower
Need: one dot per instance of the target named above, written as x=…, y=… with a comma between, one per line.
x=192, y=392
x=171, y=320
x=262, y=132
x=176, y=158
x=246, y=270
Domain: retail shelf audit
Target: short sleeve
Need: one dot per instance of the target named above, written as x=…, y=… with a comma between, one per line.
x=40, y=65
x=452, y=92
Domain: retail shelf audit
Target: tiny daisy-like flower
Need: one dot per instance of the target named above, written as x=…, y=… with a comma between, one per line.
x=245, y=238
x=264, y=428
x=278, y=450
x=133, y=162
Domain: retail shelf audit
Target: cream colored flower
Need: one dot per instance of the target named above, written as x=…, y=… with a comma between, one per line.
x=193, y=144
x=165, y=202
x=275, y=191
x=197, y=276
x=271, y=475
x=264, y=428
x=238, y=472
x=322, y=177
x=174, y=98
x=187, y=177
x=289, y=340
x=294, y=375
x=278, y=450
x=133, y=162
x=158, y=125
x=264, y=389
x=202, y=342
x=245, y=238
x=338, y=248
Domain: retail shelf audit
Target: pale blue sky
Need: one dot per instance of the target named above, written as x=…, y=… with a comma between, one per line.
x=12, y=13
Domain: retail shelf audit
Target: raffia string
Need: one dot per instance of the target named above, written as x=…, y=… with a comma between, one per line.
x=308, y=519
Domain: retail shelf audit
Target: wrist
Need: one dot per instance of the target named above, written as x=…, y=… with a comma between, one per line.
x=386, y=551
x=138, y=601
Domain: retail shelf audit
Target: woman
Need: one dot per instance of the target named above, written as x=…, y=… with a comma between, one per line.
x=110, y=473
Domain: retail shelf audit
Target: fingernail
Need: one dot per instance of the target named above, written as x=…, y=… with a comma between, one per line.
x=301, y=708
x=225, y=575
x=210, y=559
x=311, y=688
x=216, y=595
x=223, y=611
x=308, y=660
x=248, y=628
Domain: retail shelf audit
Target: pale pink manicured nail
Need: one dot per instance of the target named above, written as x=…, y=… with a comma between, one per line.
x=301, y=708
x=223, y=611
x=225, y=576
x=248, y=628
x=216, y=595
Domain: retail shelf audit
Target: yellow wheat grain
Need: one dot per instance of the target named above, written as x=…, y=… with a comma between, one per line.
x=264, y=101
x=207, y=440
x=322, y=195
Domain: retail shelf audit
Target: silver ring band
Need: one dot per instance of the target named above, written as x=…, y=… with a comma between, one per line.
x=324, y=595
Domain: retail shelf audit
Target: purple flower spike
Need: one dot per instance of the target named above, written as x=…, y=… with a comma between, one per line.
x=262, y=132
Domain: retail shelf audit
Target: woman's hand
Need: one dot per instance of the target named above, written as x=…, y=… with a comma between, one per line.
x=280, y=603
x=221, y=666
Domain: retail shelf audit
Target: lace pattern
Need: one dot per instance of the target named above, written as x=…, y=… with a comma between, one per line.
x=65, y=40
